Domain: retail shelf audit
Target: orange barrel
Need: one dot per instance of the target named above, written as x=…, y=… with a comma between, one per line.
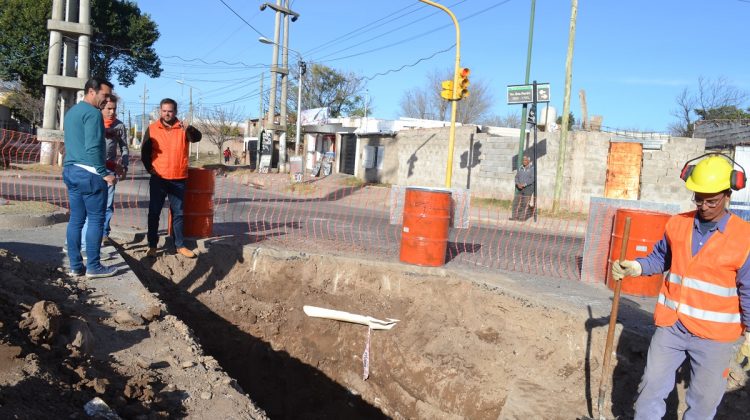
x=646, y=229
x=424, y=237
x=199, y=203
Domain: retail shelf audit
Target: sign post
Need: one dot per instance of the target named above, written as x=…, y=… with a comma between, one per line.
x=524, y=94
x=530, y=94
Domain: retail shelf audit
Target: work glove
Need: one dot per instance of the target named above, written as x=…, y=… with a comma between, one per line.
x=744, y=353
x=626, y=268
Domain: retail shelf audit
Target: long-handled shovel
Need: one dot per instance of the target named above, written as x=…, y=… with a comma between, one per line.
x=611, y=330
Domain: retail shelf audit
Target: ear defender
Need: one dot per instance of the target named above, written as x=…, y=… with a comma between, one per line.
x=738, y=180
x=686, y=171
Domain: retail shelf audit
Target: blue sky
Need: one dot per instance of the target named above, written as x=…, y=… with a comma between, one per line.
x=631, y=57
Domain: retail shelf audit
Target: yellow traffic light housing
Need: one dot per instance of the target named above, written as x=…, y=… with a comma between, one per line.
x=463, y=83
x=447, y=92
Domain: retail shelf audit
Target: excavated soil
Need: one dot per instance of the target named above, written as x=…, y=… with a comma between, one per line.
x=463, y=348
x=63, y=345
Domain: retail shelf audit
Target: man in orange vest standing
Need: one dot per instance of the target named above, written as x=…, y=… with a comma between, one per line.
x=165, y=155
x=703, y=307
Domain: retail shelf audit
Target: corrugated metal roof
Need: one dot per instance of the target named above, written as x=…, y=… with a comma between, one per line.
x=719, y=133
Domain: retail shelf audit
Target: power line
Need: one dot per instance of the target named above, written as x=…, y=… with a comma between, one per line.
x=368, y=26
x=410, y=65
x=241, y=18
x=419, y=35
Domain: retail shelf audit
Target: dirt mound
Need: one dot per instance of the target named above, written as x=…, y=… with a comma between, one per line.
x=62, y=345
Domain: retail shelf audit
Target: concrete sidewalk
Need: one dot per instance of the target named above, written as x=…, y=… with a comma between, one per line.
x=44, y=244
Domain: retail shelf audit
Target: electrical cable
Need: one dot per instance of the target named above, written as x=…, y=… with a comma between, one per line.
x=241, y=18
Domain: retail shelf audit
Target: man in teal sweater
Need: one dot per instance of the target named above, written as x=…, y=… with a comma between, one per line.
x=86, y=177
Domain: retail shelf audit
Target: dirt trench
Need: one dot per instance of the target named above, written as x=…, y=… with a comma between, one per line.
x=462, y=349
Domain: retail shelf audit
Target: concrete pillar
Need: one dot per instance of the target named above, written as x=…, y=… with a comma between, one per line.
x=84, y=41
x=284, y=91
x=49, y=120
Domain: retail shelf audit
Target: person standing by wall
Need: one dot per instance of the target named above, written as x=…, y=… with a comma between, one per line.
x=165, y=156
x=86, y=177
x=704, y=303
x=115, y=135
x=227, y=155
x=524, y=180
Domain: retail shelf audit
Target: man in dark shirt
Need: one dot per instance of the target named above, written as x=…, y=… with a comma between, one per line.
x=521, y=209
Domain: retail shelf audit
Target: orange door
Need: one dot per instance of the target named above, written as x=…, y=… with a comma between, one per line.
x=624, y=171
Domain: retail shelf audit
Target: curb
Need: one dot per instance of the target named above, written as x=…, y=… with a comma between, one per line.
x=23, y=221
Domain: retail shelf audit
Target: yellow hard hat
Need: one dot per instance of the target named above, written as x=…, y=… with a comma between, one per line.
x=711, y=175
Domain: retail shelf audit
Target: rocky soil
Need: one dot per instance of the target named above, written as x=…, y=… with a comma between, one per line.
x=69, y=352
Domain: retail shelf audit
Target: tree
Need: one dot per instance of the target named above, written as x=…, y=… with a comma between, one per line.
x=219, y=125
x=512, y=120
x=426, y=103
x=712, y=100
x=571, y=121
x=339, y=92
x=122, y=43
x=26, y=107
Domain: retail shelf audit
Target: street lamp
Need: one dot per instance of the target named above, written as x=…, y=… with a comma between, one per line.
x=302, y=70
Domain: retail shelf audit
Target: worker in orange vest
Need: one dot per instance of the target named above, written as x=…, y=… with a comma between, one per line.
x=165, y=156
x=703, y=307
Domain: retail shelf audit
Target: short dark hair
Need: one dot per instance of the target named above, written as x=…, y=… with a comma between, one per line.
x=96, y=84
x=168, y=101
x=113, y=98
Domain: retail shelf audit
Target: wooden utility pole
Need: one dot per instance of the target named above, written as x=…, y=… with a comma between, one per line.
x=143, y=116
x=584, y=110
x=566, y=107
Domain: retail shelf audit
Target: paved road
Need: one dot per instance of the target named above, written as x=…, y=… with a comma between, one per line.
x=332, y=221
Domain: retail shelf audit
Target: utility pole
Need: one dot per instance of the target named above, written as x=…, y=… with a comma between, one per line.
x=522, y=139
x=566, y=107
x=584, y=110
x=274, y=76
x=73, y=23
x=284, y=71
x=284, y=92
x=143, y=116
x=260, y=122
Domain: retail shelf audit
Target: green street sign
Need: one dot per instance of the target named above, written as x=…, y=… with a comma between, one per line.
x=523, y=94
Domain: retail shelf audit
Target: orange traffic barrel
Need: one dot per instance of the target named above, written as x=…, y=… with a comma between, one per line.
x=646, y=229
x=199, y=203
x=424, y=237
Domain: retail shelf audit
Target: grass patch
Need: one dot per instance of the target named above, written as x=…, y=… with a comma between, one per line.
x=353, y=181
x=38, y=168
x=26, y=207
x=491, y=202
x=303, y=188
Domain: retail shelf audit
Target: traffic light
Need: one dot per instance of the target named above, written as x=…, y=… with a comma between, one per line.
x=447, y=92
x=463, y=83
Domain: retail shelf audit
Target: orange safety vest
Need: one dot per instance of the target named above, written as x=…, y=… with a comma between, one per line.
x=701, y=290
x=169, y=150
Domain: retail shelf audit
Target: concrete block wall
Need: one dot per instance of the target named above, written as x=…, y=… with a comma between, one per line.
x=660, y=173
x=423, y=153
x=421, y=156
x=389, y=172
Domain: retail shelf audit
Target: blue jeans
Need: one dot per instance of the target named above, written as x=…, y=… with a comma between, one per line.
x=708, y=363
x=87, y=194
x=107, y=216
x=159, y=190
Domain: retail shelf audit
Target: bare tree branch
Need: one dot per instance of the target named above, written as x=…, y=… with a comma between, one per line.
x=219, y=125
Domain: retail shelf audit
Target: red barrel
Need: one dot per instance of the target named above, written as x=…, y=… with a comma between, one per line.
x=646, y=229
x=424, y=237
x=199, y=203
